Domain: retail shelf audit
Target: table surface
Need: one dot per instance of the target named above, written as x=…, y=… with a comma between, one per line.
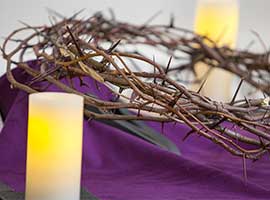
x=7, y=193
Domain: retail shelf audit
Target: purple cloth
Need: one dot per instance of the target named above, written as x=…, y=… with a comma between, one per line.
x=119, y=166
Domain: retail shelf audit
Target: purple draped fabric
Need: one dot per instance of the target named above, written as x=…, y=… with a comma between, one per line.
x=119, y=166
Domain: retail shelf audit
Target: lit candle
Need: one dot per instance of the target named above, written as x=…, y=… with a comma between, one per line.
x=54, y=148
x=218, y=20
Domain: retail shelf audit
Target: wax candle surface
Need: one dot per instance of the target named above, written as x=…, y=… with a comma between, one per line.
x=54, y=146
x=218, y=20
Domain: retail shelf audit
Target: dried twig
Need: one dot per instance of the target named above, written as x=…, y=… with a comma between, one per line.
x=72, y=48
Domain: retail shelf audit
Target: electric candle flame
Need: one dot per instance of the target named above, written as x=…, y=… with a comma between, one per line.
x=54, y=146
x=218, y=20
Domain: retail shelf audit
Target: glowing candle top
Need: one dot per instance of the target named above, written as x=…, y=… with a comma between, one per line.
x=218, y=19
x=54, y=146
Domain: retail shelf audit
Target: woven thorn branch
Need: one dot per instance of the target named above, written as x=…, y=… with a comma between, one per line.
x=74, y=48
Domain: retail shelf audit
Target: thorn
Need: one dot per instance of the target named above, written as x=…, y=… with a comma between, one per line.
x=118, y=96
x=3, y=52
x=91, y=38
x=113, y=47
x=151, y=19
x=74, y=41
x=250, y=44
x=176, y=98
x=41, y=76
x=55, y=13
x=82, y=83
x=223, y=129
x=260, y=39
x=168, y=65
x=90, y=119
x=162, y=128
x=171, y=25
x=255, y=160
x=264, y=115
x=97, y=85
x=13, y=40
x=155, y=78
x=139, y=113
x=112, y=14
x=202, y=85
x=187, y=135
x=247, y=101
x=167, y=69
x=237, y=91
x=212, y=126
x=24, y=23
x=262, y=142
x=76, y=14
x=98, y=15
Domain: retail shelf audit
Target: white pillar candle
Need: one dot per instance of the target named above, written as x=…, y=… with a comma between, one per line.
x=217, y=19
x=54, y=146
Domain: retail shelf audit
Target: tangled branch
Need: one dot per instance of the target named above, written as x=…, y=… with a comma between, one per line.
x=73, y=49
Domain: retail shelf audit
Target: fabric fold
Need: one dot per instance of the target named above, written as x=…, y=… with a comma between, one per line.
x=120, y=166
